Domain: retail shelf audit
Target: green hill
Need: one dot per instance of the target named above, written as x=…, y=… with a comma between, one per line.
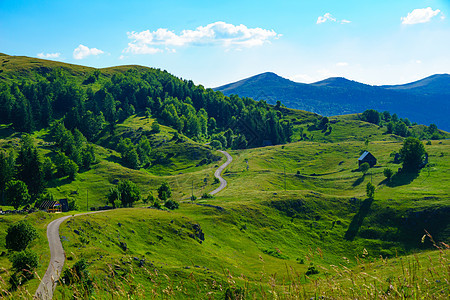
x=291, y=208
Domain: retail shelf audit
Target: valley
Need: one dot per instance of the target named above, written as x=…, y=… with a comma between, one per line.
x=293, y=220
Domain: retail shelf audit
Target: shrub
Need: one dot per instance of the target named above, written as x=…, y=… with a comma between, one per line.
x=171, y=204
x=207, y=196
x=216, y=144
x=312, y=271
x=25, y=262
x=156, y=204
x=79, y=274
x=370, y=190
x=412, y=153
x=73, y=205
x=164, y=191
x=364, y=167
x=388, y=173
x=19, y=235
x=150, y=198
x=155, y=127
x=129, y=193
x=17, y=193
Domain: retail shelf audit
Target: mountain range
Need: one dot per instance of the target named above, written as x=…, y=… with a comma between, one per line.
x=424, y=101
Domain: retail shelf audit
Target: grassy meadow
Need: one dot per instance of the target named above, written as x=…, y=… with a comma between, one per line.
x=287, y=210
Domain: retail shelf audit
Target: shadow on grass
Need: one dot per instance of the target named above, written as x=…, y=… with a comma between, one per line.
x=358, y=181
x=358, y=220
x=402, y=178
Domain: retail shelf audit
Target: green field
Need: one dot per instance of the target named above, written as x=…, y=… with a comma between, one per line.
x=288, y=209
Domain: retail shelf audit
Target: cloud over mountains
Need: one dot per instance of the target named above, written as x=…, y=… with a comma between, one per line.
x=217, y=33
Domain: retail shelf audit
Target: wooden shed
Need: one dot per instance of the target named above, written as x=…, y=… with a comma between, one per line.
x=51, y=206
x=367, y=157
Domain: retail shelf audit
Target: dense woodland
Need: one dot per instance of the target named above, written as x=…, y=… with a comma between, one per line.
x=79, y=112
x=97, y=105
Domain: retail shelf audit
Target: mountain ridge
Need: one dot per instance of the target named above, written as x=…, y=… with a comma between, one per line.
x=424, y=101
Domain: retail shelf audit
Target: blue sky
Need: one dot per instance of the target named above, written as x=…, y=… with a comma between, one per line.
x=214, y=43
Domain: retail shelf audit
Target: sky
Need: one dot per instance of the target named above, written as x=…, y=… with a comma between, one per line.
x=218, y=42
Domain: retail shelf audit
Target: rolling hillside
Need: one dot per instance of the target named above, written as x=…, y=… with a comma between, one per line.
x=294, y=221
x=425, y=101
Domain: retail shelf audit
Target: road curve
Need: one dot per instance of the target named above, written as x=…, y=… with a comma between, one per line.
x=58, y=256
x=223, y=182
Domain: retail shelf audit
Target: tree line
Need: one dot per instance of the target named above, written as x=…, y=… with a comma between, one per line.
x=399, y=126
x=101, y=102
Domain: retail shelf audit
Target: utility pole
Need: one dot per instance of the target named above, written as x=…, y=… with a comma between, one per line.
x=285, y=178
x=87, y=200
x=192, y=197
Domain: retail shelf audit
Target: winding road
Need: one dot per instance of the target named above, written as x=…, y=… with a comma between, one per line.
x=223, y=182
x=58, y=256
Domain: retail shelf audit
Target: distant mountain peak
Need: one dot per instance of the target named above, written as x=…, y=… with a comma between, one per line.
x=424, y=101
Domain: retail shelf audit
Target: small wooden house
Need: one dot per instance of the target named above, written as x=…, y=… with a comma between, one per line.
x=367, y=157
x=51, y=206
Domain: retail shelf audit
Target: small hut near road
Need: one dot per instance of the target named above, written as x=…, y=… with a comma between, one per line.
x=367, y=157
x=51, y=206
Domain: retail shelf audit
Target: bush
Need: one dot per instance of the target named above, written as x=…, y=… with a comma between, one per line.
x=388, y=173
x=19, y=235
x=164, y=191
x=370, y=190
x=364, y=167
x=156, y=204
x=193, y=198
x=412, y=154
x=216, y=144
x=17, y=193
x=171, y=204
x=79, y=274
x=312, y=271
x=150, y=199
x=25, y=262
x=155, y=127
x=207, y=196
x=73, y=205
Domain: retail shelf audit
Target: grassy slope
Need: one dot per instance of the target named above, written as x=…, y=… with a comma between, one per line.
x=263, y=229
x=13, y=68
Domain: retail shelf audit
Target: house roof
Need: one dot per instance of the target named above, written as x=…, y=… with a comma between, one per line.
x=366, y=154
x=48, y=204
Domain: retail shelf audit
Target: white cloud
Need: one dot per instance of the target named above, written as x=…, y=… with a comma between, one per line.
x=325, y=73
x=418, y=61
x=329, y=17
x=420, y=15
x=324, y=18
x=304, y=78
x=218, y=33
x=342, y=64
x=48, y=55
x=82, y=52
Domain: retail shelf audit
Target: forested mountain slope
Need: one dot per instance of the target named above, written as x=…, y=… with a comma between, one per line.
x=425, y=101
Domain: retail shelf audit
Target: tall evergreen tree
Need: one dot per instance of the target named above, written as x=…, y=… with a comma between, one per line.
x=29, y=167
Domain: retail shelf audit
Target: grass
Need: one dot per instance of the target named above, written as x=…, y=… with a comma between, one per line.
x=298, y=204
x=40, y=245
